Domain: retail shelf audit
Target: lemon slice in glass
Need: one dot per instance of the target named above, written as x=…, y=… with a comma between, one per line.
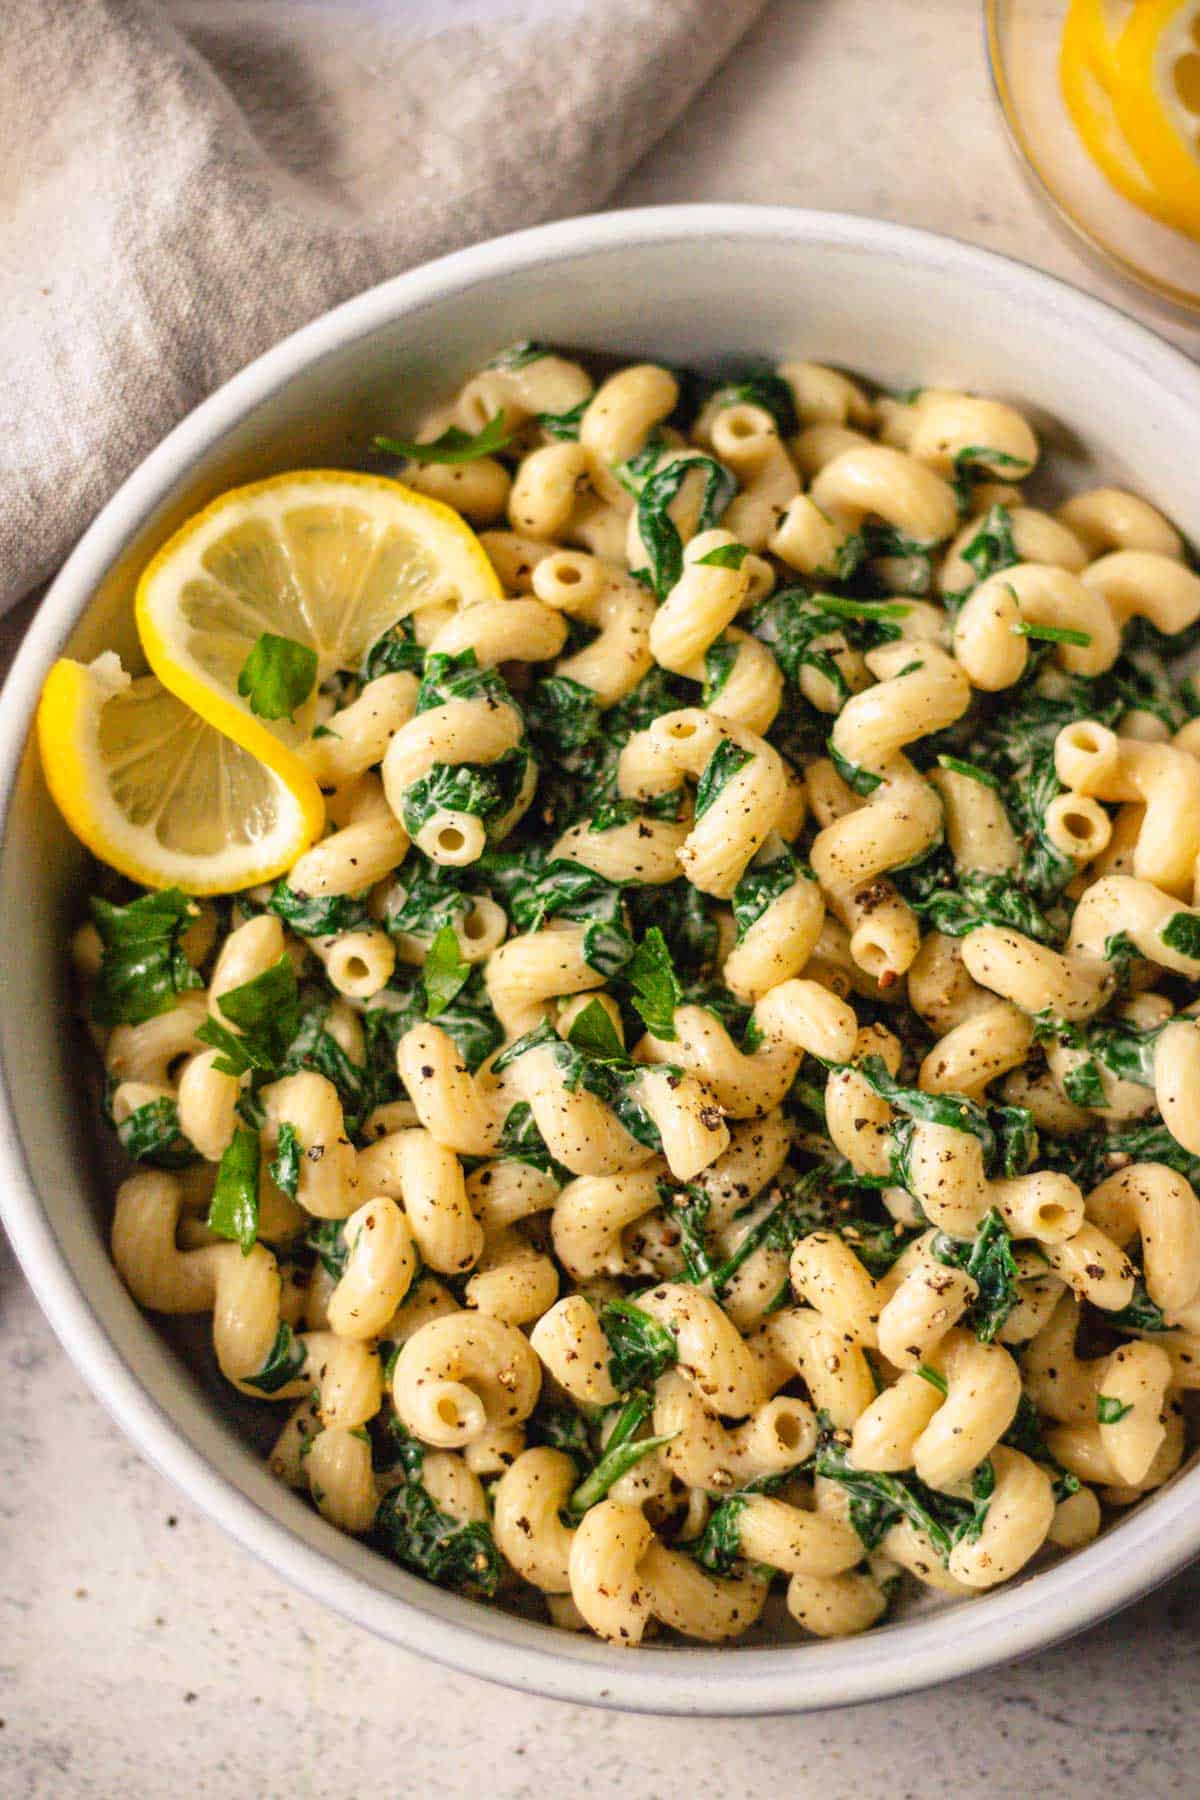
x=155, y=791
x=1156, y=96
x=326, y=559
x=1086, y=73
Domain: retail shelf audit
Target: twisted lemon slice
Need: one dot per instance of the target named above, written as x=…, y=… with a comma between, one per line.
x=325, y=559
x=179, y=779
x=152, y=789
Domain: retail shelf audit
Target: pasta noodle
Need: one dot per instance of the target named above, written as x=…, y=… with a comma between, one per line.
x=717, y=1111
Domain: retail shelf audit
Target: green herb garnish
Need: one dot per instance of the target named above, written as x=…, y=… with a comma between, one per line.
x=445, y=972
x=266, y=1011
x=233, y=1212
x=278, y=676
x=650, y=972
x=454, y=446
x=143, y=969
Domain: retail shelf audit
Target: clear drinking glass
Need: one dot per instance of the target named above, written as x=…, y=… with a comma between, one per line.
x=1023, y=41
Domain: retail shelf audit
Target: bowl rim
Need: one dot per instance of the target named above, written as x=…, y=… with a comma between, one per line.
x=1139, y=1553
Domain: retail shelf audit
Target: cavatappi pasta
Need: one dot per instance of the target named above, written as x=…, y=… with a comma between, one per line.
x=715, y=1124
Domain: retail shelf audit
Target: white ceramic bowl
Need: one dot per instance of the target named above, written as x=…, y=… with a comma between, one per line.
x=700, y=285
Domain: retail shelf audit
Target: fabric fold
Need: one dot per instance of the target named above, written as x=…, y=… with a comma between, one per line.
x=182, y=184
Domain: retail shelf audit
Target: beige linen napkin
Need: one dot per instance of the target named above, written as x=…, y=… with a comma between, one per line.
x=182, y=182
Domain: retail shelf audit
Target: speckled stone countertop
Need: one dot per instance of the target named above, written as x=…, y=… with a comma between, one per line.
x=143, y=1654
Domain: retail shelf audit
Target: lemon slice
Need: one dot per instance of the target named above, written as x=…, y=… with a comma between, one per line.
x=1086, y=73
x=328, y=559
x=152, y=789
x=1156, y=95
x=1103, y=21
